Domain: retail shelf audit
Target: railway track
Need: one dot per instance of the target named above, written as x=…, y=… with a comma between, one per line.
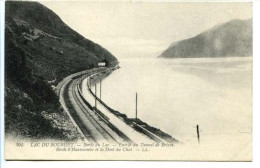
x=97, y=125
x=95, y=128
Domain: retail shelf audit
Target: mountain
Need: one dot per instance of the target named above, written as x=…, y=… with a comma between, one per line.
x=233, y=38
x=40, y=50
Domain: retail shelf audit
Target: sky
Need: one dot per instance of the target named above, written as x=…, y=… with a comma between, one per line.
x=144, y=29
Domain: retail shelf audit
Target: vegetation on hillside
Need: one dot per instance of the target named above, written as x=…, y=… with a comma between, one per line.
x=40, y=50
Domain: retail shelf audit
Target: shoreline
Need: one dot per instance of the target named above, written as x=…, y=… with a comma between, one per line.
x=139, y=125
x=98, y=74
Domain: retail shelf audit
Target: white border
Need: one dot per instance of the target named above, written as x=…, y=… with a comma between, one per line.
x=256, y=83
x=2, y=11
x=128, y=164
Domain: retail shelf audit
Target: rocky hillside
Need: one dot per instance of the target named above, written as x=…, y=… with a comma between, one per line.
x=40, y=50
x=233, y=38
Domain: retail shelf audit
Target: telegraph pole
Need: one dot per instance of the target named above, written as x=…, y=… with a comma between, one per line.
x=100, y=89
x=198, y=133
x=136, y=106
x=96, y=96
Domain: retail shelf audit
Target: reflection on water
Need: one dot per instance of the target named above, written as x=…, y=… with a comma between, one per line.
x=177, y=94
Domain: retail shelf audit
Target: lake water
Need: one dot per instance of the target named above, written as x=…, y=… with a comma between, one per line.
x=177, y=94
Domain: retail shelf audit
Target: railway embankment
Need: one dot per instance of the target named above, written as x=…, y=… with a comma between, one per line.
x=129, y=129
x=137, y=124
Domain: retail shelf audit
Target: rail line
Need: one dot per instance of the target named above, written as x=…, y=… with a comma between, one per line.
x=92, y=125
x=98, y=124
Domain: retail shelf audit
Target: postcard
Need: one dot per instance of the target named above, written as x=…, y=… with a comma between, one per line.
x=92, y=80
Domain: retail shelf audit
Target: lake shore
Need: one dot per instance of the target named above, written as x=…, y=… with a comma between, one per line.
x=135, y=123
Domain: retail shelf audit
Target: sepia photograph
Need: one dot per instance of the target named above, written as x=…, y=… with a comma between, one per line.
x=155, y=81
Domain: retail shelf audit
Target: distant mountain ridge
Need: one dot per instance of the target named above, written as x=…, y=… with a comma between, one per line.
x=233, y=38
